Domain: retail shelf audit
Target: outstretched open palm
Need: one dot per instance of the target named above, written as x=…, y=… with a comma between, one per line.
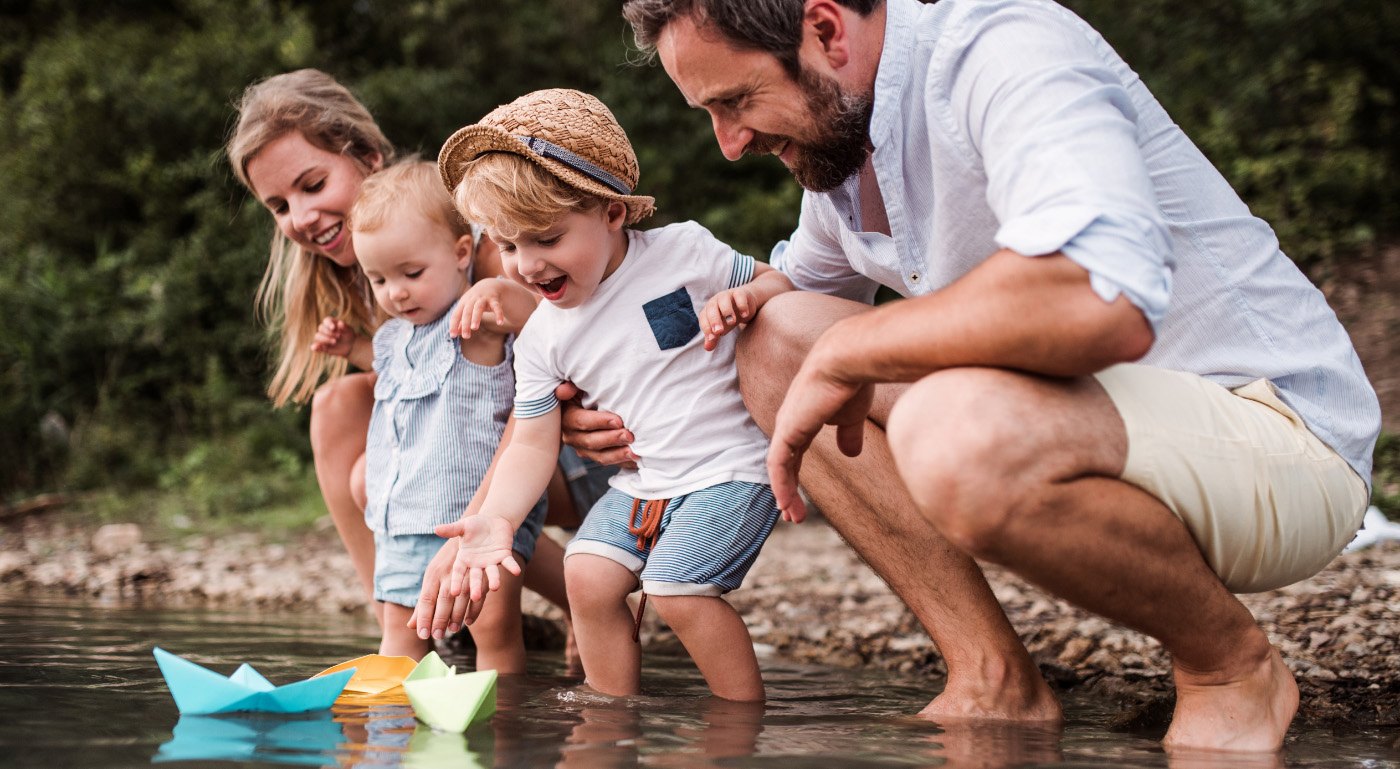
x=484, y=548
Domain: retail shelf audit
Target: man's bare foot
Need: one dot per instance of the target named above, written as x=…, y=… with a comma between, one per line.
x=1032, y=702
x=1245, y=711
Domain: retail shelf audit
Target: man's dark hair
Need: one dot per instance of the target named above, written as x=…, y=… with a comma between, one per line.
x=770, y=26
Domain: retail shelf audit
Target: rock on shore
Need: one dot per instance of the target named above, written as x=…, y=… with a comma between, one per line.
x=808, y=598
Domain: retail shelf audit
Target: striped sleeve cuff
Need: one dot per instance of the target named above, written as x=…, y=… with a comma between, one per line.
x=537, y=407
x=741, y=271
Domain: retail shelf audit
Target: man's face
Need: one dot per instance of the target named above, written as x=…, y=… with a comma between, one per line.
x=816, y=129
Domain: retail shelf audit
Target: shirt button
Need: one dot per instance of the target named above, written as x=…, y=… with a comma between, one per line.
x=913, y=277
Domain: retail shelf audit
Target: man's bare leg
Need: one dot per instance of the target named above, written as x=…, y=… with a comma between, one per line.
x=990, y=674
x=1023, y=471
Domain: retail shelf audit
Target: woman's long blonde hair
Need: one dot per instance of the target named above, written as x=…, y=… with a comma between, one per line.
x=300, y=288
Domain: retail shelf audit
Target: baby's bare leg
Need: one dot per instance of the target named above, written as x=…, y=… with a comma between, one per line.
x=718, y=641
x=399, y=640
x=598, y=590
x=500, y=643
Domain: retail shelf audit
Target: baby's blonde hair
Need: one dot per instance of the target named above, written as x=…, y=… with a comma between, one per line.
x=299, y=288
x=410, y=185
x=511, y=195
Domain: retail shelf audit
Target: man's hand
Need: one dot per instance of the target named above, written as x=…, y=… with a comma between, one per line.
x=596, y=435
x=815, y=398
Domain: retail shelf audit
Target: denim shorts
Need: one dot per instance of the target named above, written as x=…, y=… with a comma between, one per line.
x=587, y=480
x=709, y=538
x=401, y=559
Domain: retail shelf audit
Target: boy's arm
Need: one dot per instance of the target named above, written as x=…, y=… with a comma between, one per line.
x=735, y=307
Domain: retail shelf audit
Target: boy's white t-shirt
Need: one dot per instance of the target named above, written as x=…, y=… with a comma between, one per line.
x=635, y=348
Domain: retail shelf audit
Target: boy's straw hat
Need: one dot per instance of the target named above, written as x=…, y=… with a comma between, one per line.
x=568, y=133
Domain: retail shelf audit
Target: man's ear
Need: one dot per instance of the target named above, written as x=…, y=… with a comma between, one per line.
x=824, y=32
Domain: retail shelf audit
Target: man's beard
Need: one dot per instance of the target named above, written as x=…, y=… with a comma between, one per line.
x=840, y=124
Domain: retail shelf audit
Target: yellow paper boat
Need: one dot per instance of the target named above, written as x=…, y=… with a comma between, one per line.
x=447, y=700
x=376, y=677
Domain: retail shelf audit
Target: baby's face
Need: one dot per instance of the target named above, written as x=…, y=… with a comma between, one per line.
x=416, y=266
x=567, y=261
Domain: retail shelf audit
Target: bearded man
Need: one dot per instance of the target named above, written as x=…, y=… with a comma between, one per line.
x=1105, y=374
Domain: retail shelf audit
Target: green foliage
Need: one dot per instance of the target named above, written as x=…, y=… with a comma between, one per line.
x=130, y=357
x=1294, y=100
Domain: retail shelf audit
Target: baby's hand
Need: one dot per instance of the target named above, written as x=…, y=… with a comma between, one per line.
x=726, y=311
x=483, y=548
x=483, y=302
x=334, y=337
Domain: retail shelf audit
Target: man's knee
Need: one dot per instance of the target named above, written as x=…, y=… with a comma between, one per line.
x=949, y=445
x=771, y=350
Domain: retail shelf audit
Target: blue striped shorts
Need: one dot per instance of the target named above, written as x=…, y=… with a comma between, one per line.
x=709, y=538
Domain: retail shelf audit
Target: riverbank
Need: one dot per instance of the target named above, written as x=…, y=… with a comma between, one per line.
x=808, y=598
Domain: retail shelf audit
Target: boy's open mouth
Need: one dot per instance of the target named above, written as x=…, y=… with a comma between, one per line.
x=552, y=288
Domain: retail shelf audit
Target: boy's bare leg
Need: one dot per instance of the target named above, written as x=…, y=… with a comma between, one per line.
x=719, y=642
x=1023, y=471
x=497, y=633
x=340, y=412
x=398, y=640
x=598, y=590
x=990, y=674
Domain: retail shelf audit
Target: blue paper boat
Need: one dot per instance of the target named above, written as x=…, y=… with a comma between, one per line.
x=199, y=691
x=309, y=742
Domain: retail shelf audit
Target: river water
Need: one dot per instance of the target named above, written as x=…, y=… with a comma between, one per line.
x=79, y=688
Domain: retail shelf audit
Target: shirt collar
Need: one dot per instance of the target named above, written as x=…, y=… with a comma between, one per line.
x=901, y=20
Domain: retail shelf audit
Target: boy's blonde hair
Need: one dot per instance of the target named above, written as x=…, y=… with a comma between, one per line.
x=510, y=195
x=299, y=288
x=410, y=185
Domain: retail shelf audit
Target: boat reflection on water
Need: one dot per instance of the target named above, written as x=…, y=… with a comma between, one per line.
x=350, y=736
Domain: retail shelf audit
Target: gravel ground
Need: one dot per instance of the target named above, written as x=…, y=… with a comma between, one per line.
x=808, y=598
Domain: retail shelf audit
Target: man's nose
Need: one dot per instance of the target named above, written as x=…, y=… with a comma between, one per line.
x=732, y=137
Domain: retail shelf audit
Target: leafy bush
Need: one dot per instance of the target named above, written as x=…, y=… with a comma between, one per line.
x=130, y=256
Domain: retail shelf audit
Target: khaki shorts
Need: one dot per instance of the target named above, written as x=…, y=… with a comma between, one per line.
x=1267, y=502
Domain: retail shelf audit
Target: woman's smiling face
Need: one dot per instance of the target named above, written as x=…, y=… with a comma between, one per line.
x=308, y=190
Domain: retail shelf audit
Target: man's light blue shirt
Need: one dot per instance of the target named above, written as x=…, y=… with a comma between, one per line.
x=1013, y=124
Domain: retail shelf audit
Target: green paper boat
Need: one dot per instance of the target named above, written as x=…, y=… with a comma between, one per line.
x=447, y=700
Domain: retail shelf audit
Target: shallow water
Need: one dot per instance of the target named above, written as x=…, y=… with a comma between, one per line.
x=79, y=687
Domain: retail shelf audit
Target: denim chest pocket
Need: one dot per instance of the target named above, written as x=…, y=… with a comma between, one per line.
x=672, y=319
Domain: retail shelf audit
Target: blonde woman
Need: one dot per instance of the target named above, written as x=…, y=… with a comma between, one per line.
x=302, y=145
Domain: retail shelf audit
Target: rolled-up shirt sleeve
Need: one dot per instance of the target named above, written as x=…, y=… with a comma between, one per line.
x=814, y=260
x=1056, y=133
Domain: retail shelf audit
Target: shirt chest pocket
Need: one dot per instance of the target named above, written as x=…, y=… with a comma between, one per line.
x=672, y=319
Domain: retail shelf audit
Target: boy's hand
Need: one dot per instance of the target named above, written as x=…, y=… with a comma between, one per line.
x=334, y=337
x=484, y=547
x=501, y=304
x=725, y=311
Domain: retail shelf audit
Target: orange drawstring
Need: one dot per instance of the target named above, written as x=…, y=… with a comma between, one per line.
x=647, y=532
